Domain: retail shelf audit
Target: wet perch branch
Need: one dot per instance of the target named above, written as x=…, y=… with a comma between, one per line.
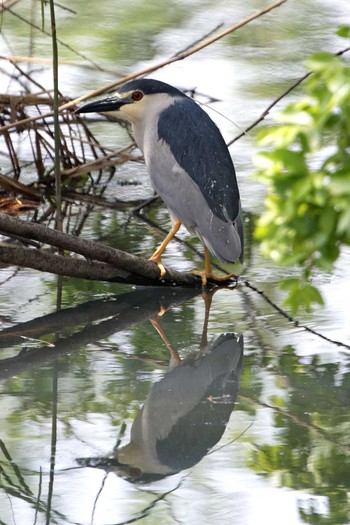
x=100, y=262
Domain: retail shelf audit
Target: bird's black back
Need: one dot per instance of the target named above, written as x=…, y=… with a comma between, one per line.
x=199, y=148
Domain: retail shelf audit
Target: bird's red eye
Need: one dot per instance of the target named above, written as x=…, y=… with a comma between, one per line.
x=137, y=95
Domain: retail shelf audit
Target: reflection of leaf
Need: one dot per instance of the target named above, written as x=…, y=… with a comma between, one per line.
x=299, y=460
x=310, y=447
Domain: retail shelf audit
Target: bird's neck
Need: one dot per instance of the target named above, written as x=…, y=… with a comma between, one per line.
x=145, y=123
x=145, y=132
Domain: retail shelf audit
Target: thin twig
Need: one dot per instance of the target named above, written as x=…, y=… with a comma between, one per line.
x=268, y=109
x=278, y=99
x=144, y=512
x=37, y=506
x=150, y=69
x=5, y=4
x=231, y=441
x=212, y=32
x=56, y=123
x=98, y=496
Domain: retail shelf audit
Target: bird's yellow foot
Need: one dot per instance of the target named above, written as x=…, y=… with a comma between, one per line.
x=205, y=276
x=156, y=259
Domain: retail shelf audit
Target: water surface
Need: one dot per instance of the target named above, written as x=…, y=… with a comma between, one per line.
x=253, y=426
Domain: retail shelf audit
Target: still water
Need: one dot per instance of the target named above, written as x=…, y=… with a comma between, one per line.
x=161, y=406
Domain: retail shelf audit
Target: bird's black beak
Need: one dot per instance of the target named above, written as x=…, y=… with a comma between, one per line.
x=107, y=104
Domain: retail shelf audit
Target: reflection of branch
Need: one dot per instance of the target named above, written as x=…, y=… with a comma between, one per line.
x=39, y=495
x=127, y=310
x=295, y=322
x=20, y=489
x=54, y=399
x=15, y=469
x=98, y=495
x=143, y=513
x=298, y=421
x=232, y=440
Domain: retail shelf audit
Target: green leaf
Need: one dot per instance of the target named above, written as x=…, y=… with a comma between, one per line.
x=319, y=62
x=303, y=296
x=344, y=31
x=343, y=227
x=290, y=283
x=305, y=162
x=340, y=185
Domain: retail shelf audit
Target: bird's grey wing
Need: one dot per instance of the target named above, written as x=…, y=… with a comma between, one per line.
x=186, y=202
x=199, y=148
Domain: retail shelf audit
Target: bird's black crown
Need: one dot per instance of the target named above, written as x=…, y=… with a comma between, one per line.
x=150, y=87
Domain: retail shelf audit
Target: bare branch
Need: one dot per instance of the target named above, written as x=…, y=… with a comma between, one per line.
x=104, y=263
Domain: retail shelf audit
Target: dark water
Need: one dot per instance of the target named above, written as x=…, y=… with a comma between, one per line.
x=165, y=406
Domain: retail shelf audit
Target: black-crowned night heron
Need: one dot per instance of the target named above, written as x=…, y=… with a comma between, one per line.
x=188, y=162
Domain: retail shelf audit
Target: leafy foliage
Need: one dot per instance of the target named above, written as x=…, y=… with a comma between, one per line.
x=307, y=172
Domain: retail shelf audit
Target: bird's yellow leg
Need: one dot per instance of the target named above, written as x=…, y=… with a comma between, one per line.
x=175, y=359
x=207, y=298
x=208, y=274
x=207, y=268
x=157, y=256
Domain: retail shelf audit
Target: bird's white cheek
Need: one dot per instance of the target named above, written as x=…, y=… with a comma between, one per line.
x=117, y=114
x=134, y=112
x=126, y=113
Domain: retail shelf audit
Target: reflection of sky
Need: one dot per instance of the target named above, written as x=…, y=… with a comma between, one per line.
x=225, y=496
x=333, y=320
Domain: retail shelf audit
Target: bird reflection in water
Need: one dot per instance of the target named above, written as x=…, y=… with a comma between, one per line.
x=185, y=413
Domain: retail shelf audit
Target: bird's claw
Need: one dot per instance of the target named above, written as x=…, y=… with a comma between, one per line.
x=214, y=279
x=158, y=262
x=203, y=275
